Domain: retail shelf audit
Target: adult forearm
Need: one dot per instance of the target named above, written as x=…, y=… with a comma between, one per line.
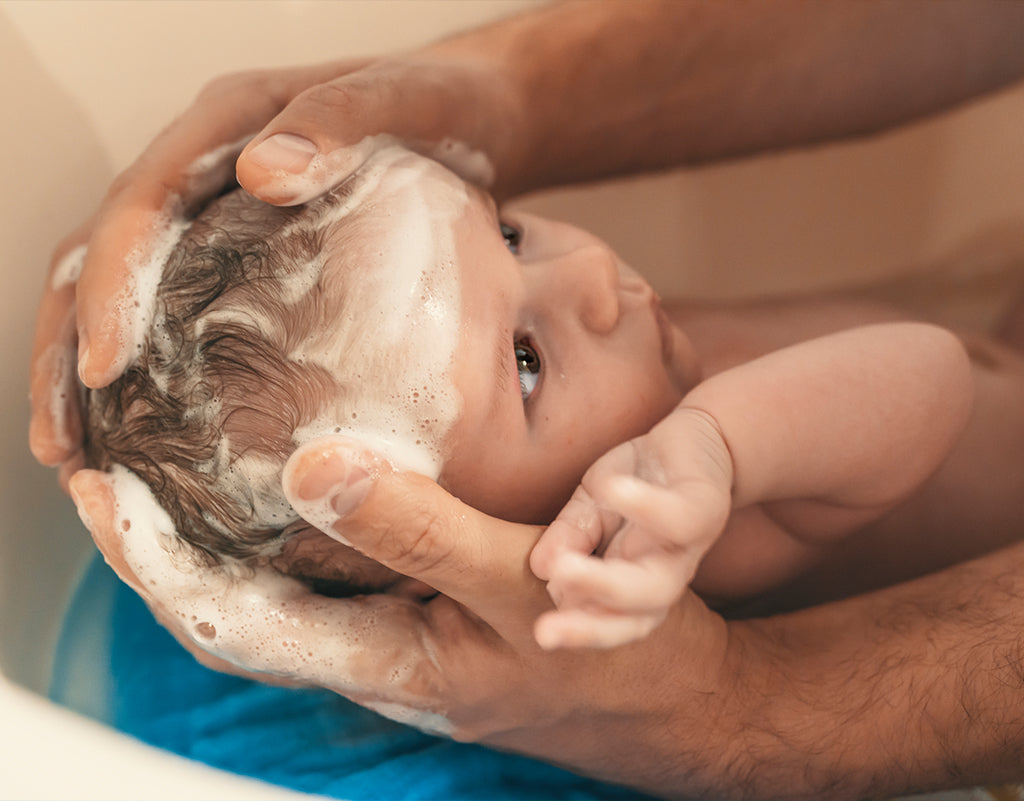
x=603, y=88
x=916, y=687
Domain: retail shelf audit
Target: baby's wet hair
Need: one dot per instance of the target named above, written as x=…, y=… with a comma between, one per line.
x=205, y=414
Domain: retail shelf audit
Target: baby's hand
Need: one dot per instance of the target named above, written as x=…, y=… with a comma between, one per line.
x=627, y=544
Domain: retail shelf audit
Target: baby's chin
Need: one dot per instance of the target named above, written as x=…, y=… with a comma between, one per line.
x=329, y=568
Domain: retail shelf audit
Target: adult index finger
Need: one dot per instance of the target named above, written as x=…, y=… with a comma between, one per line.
x=190, y=162
x=55, y=431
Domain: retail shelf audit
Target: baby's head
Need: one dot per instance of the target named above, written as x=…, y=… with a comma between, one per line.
x=499, y=356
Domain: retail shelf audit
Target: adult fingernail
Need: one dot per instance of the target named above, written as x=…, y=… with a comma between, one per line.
x=327, y=481
x=329, y=472
x=83, y=353
x=352, y=492
x=284, y=152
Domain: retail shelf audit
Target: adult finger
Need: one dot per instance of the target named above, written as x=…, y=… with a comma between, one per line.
x=432, y=105
x=190, y=162
x=93, y=494
x=411, y=525
x=376, y=650
x=55, y=431
x=586, y=523
x=579, y=529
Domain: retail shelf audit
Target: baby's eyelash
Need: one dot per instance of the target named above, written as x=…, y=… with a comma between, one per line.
x=512, y=236
x=528, y=366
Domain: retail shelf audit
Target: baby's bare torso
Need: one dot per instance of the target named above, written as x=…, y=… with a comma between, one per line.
x=973, y=504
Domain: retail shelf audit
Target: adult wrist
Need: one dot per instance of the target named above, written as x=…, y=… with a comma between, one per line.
x=493, y=100
x=911, y=689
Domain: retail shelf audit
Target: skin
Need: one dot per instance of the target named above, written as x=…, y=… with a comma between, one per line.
x=470, y=633
x=762, y=719
x=596, y=327
x=663, y=86
x=801, y=441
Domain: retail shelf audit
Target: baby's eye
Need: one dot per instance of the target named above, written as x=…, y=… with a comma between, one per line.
x=512, y=236
x=528, y=364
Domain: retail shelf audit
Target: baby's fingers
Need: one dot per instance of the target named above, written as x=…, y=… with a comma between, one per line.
x=687, y=515
x=615, y=585
x=580, y=528
x=576, y=628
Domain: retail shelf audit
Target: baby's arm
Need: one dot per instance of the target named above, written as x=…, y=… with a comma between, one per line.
x=826, y=435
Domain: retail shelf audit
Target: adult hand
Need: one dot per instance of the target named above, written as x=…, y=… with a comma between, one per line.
x=446, y=107
x=914, y=688
x=512, y=98
x=463, y=663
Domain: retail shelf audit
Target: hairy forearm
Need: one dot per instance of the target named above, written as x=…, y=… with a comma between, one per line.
x=603, y=88
x=917, y=687
x=914, y=688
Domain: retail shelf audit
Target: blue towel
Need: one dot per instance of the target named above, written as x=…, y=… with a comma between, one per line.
x=115, y=663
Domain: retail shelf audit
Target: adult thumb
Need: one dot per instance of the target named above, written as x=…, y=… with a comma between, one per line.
x=319, y=139
x=438, y=107
x=413, y=526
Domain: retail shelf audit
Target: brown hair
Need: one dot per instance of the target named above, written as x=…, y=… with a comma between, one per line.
x=205, y=414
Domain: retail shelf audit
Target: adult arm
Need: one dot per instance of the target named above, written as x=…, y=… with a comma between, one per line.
x=571, y=92
x=583, y=90
x=913, y=688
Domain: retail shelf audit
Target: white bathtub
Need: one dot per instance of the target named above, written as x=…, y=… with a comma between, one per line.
x=85, y=85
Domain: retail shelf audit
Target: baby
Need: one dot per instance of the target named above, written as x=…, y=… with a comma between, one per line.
x=760, y=448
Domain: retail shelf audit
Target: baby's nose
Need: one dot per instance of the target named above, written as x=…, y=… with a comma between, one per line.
x=592, y=277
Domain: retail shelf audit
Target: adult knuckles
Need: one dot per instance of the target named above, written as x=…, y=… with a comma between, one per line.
x=421, y=542
x=331, y=102
x=231, y=84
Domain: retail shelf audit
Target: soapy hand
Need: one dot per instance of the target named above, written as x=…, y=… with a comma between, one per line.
x=295, y=133
x=627, y=544
x=462, y=663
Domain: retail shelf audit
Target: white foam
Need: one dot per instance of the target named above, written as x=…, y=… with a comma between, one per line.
x=400, y=313
x=69, y=269
x=136, y=303
x=216, y=158
x=213, y=171
x=393, y=341
x=471, y=165
x=428, y=722
x=259, y=620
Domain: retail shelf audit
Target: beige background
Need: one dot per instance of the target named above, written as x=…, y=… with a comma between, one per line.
x=85, y=85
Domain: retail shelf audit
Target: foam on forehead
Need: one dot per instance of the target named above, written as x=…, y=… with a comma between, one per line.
x=392, y=282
